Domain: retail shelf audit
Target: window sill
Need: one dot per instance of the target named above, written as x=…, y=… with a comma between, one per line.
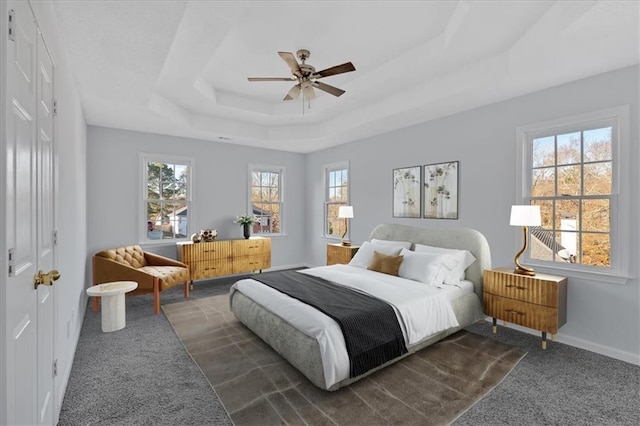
x=605, y=277
x=160, y=242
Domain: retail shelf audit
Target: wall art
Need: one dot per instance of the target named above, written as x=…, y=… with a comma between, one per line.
x=407, y=184
x=441, y=190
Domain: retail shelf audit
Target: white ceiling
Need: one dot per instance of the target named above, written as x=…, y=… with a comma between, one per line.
x=180, y=67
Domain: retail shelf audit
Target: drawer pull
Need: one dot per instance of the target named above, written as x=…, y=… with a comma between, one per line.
x=511, y=311
x=516, y=287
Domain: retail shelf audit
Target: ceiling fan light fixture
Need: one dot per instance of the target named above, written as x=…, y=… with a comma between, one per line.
x=294, y=93
x=307, y=90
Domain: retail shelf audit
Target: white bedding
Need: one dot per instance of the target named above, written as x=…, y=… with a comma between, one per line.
x=422, y=310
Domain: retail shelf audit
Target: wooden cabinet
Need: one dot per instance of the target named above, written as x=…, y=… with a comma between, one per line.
x=225, y=257
x=249, y=255
x=538, y=302
x=337, y=253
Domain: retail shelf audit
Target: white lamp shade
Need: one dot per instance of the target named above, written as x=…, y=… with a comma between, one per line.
x=525, y=216
x=345, y=212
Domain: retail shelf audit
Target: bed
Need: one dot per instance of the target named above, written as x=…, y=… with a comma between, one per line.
x=302, y=337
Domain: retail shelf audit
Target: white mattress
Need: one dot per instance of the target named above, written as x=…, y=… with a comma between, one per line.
x=422, y=309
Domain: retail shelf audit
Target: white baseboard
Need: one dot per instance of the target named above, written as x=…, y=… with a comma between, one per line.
x=582, y=344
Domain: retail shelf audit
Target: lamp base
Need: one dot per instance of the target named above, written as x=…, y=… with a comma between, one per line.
x=524, y=271
x=346, y=243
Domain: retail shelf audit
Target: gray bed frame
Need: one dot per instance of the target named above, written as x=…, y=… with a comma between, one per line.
x=302, y=351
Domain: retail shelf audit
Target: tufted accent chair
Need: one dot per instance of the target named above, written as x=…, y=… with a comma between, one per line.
x=153, y=273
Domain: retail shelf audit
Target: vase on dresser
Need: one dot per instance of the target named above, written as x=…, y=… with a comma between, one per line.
x=246, y=229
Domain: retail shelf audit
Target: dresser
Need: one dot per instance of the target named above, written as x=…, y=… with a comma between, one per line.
x=337, y=253
x=538, y=302
x=225, y=257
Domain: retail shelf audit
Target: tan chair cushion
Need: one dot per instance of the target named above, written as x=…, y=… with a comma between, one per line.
x=131, y=255
x=169, y=275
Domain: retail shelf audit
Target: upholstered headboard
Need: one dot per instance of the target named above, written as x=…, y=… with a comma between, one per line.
x=456, y=238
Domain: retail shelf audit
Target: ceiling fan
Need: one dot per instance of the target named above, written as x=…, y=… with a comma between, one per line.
x=306, y=76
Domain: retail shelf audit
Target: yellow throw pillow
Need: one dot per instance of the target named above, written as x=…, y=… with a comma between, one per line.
x=385, y=264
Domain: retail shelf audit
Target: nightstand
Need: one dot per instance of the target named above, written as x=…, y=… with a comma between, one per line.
x=538, y=302
x=337, y=253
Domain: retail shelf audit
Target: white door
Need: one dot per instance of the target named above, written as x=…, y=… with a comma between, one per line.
x=45, y=229
x=29, y=313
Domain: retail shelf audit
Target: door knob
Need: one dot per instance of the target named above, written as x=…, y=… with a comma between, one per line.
x=45, y=279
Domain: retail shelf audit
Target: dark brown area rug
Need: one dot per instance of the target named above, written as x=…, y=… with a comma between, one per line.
x=257, y=386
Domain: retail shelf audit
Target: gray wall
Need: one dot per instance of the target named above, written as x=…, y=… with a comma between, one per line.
x=484, y=141
x=220, y=185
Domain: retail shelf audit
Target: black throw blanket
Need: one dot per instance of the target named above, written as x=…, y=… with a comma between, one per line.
x=369, y=325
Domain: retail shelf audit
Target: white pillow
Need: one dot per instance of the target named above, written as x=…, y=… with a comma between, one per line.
x=401, y=244
x=364, y=255
x=463, y=257
x=427, y=268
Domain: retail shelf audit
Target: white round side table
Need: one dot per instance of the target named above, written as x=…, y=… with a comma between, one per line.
x=112, y=294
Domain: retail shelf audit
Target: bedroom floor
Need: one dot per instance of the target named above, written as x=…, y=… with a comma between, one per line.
x=143, y=375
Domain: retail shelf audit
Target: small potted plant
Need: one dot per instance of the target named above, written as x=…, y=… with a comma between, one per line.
x=246, y=221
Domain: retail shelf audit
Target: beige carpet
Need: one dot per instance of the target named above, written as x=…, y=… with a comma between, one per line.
x=258, y=387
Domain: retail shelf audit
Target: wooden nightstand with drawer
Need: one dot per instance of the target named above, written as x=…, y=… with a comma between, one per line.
x=538, y=302
x=337, y=253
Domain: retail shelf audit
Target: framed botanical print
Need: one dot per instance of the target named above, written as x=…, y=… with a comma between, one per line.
x=407, y=185
x=441, y=190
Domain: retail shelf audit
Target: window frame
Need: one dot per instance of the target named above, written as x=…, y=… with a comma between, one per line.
x=327, y=169
x=145, y=158
x=618, y=119
x=254, y=167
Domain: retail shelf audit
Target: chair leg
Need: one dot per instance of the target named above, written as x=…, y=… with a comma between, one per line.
x=186, y=289
x=96, y=304
x=156, y=296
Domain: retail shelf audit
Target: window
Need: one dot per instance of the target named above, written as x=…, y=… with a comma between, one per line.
x=166, y=197
x=572, y=170
x=266, y=202
x=336, y=195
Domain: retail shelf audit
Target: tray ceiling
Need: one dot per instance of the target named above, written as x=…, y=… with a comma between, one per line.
x=180, y=67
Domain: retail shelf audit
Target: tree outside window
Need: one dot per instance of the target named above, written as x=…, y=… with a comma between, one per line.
x=167, y=199
x=571, y=181
x=266, y=199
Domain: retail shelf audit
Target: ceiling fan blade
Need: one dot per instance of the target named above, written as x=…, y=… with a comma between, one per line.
x=291, y=62
x=338, y=69
x=328, y=88
x=269, y=78
x=294, y=93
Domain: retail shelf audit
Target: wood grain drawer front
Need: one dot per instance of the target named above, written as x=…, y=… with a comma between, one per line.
x=250, y=263
x=521, y=287
x=206, y=251
x=210, y=268
x=537, y=317
x=251, y=247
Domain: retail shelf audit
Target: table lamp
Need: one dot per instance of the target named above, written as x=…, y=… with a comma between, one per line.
x=346, y=213
x=524, y=216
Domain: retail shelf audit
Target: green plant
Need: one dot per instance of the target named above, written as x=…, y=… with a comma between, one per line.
x=245, y=220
